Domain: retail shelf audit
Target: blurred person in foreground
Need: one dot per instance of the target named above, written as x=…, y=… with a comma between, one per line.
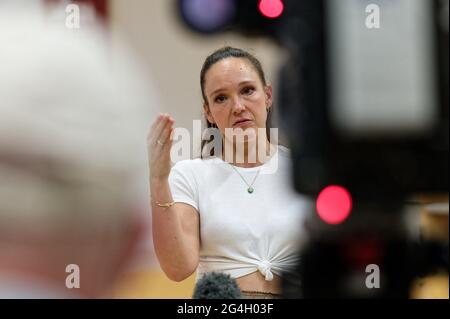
x=70, y=145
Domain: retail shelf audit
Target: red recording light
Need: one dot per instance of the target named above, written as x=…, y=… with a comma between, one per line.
x=334, y=204
x=271, y=8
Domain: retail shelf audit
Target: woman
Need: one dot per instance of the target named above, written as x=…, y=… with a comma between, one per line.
x=230, y=214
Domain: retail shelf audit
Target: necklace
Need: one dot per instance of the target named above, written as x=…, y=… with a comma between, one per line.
x=250, y=188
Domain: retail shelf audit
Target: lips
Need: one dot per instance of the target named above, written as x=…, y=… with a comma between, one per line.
x=241, y=122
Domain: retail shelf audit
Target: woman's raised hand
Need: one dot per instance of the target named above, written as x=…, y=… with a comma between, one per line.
x=159, y=143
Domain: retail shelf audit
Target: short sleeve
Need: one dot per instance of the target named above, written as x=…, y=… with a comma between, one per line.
x=183, y=184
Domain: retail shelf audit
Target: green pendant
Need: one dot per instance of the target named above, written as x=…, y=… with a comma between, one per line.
x=250, y=190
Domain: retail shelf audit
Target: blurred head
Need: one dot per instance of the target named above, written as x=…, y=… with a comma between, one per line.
x=235, y=92
x=69, y=152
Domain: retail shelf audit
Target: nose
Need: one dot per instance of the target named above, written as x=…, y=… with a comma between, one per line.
x=238, y=106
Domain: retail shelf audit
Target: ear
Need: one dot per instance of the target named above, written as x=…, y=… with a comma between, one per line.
x=208, y=114
x=269, y=97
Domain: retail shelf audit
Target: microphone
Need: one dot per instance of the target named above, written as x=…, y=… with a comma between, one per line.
x=217, y=286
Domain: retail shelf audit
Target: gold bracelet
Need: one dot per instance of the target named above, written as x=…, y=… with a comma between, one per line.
x=165, y=205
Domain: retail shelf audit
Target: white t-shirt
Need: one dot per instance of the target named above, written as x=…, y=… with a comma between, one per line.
x=242, y=233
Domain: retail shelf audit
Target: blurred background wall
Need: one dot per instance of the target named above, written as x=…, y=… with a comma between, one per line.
x=173, y=55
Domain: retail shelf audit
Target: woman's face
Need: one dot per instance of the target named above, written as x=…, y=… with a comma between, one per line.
x=236, y=96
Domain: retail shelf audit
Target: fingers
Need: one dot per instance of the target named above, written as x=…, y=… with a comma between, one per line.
x=153, y=126
x=162, y=123
x=164, y=137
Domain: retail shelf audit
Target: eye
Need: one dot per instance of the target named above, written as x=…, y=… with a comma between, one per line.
x=220, y=99
x=248, y=90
